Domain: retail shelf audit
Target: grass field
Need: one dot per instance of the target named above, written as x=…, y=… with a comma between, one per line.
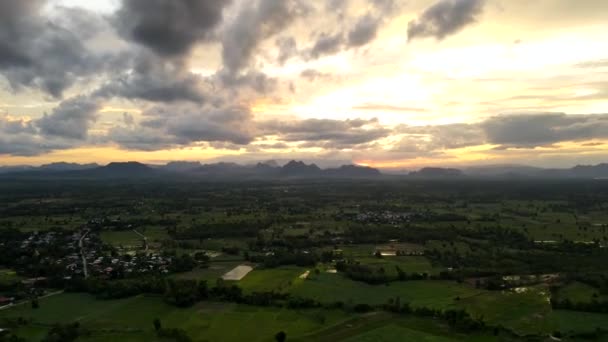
x=125, y=238
x=8, y=276
x=567, y=321
x=131, y=319
x=393, y=332
x=382, y=326
x=530, y=313
x=211, y=273
x=521, y=312
x=580, y=293
x=329, y=288
x=276, y=279
x=128, y=238
x=409, y=264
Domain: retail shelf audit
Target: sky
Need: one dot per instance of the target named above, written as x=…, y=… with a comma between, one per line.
x=392, y=84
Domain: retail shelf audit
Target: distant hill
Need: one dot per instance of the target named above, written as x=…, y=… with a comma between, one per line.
x=300, y=169
x=291, y=170
x=520, y=171
x=590, y=171
x=180, y=166
x=117, y=170
x=352, y=171
x=62, y=166
x=502, y=170
x=15, y=169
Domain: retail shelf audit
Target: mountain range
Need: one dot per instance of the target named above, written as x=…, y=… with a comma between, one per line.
x=222, y=170
x=294, y=169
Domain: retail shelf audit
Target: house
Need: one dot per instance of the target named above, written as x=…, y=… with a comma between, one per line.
x=6, y=300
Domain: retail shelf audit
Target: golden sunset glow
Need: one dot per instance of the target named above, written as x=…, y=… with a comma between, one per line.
x=300, y=92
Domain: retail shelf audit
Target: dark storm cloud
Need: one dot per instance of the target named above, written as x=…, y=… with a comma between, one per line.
x=326, y=132
x=255, y=80
x=256, y=21
x=140, y=138
x=232, y=124
x=29, y=145
x=71, y=119
x=185, y=124
x=16, y=126
x=506, y=131
x=155, y=79
x=287, y=48
x=20, y=137
x=38, y=52
x=439, y=137
x=365, y=30
x=169, y=27
x=327, y=44
x=533, y=130
x=444, y=18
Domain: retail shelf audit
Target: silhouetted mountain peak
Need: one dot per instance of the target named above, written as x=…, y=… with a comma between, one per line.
x=300, y=169
x=352, y=171
x=181, y=166
x=63, y=166
x=131, y=165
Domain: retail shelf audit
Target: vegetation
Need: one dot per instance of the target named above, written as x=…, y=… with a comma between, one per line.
x=332, y=260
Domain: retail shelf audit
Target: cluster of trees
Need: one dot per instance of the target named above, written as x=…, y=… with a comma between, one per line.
x=185, y=263
x=115, y=289
x=173, y=334
x=597, y=280
x=241, y=228
x=591, y=306
x=10, y=337
x=185, y=292
x=284, y=257
x=497, y=259
x=457, y=319
x=65, y=333
x=364, y=234
x=378, y=275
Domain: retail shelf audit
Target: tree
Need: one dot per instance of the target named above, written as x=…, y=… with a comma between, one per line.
x=281, y=336
x=201, y=258
x=157, y=324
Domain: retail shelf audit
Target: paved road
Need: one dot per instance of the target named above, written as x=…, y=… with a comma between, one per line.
x=144, y=238
x=84, y=260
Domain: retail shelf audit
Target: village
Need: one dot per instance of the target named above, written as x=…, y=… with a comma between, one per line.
x=86, y=255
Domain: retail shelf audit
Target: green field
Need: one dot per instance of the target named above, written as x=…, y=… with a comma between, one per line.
x=128, y=238
x=276, y=279
x=530, y=313
x=8, y=276
x=522, y=312
x=329, y=288
x=382, y=326
x=578, y=292
x=395, y=332
x=131, y=319
x=408, y=264
x=211, y=273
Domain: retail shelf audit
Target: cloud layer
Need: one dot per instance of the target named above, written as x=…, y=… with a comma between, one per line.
x=263, y=76
x=444, y=18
